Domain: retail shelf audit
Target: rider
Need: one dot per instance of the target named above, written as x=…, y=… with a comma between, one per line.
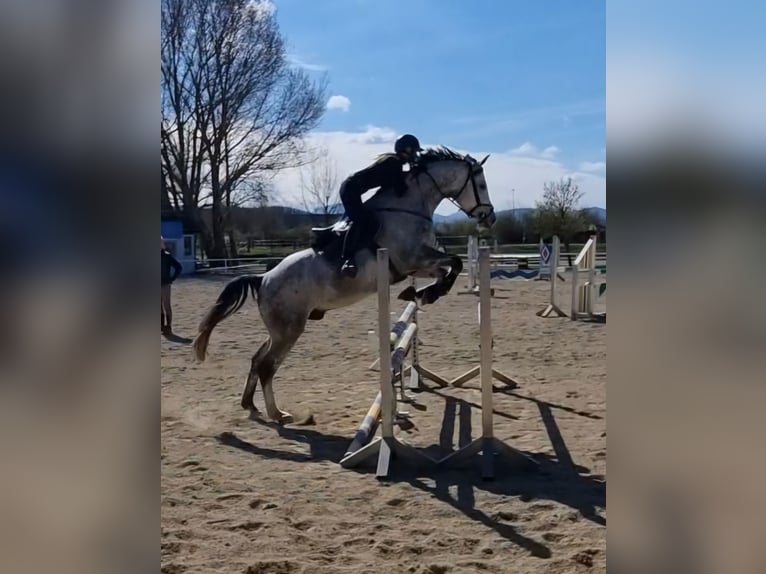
x=386, y=171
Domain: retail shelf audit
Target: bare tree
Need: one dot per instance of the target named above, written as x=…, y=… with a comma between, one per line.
x=233, y=110
x=558, y=212
x=319, y=186
x=182, y=117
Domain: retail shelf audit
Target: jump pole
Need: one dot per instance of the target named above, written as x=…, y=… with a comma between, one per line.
x=407, y=315
x=487, y=444
x=398, y=354
x=415, y=370
x=552, y=308
x=387, y=446
x=366, y=429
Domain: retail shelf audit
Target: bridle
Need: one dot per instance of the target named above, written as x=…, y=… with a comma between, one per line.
x=474, y=169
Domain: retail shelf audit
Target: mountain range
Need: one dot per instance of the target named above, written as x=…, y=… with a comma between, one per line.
x=519, y=213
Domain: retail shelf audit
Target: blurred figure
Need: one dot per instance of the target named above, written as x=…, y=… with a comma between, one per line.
x=171, y=269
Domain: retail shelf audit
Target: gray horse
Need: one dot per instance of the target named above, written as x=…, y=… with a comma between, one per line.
x=307, y=284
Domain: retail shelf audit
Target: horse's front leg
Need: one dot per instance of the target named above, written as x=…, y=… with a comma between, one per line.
x=433, y=263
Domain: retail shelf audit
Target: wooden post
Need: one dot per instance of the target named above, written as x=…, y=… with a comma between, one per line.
x=487, y=444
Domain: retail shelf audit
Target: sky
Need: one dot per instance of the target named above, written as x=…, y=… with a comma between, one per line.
x=686, y=72
x=522, y=81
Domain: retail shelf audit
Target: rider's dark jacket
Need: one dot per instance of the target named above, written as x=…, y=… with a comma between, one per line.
x=385, y=172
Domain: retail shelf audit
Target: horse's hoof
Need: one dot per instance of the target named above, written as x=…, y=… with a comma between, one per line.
x=409, y=294
x=249, y=406
x=285, y=419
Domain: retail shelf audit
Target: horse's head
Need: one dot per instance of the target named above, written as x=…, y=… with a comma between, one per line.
x=460, y=178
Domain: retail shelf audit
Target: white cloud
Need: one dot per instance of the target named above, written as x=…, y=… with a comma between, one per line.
x=301, y=63
x=550, y=152
x=373, y=135
x=504, y=171
x=527, y=149
x=338, y=103
x=524, y=149
x=592, y=166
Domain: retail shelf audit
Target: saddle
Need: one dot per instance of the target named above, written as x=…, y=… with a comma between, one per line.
x=328, y=241
x=324, y=236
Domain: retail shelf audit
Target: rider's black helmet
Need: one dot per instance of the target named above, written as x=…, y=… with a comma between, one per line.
x=407, y=144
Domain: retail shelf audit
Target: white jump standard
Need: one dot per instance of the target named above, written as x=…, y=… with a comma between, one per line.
x=386, y=447
x=487, y=444
x=584, y=294
x=553, y=264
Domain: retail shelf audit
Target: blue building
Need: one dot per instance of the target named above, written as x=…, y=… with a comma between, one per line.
x=180, y=241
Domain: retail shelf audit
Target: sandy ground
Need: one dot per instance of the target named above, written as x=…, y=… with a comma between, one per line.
x=242, y=496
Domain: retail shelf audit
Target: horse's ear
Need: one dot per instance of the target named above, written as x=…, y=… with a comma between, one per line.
x=486, y=157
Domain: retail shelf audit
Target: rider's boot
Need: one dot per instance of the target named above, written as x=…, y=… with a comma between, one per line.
x=349, y=269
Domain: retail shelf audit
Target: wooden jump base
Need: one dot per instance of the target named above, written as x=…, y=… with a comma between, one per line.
x=387, y=446
x=584, y=294
x=552, y=308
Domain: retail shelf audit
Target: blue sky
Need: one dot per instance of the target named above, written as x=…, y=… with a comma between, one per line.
x=687, y=71
x=522, y=80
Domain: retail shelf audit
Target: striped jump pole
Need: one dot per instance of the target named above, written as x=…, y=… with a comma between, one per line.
x=367, y=428
x=400, y=325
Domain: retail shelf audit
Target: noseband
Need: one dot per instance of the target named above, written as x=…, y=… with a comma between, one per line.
x=470, y=177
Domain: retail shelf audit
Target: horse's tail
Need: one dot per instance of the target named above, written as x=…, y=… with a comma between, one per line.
x=229, y=302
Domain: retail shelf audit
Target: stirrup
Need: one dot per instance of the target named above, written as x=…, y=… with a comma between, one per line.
x=349, y=269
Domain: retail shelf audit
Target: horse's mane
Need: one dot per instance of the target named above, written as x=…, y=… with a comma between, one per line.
x=441, y=153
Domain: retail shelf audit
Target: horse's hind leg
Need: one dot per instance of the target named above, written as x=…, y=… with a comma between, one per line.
x=267, y=368
x=248, y=402
x=284, y=329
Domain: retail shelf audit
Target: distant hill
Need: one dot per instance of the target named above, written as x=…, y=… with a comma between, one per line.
x=277, y=215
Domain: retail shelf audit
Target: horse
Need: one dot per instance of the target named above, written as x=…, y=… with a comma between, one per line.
x=307, y=284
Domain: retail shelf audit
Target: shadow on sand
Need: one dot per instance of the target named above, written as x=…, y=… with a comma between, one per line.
x=557, y=478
